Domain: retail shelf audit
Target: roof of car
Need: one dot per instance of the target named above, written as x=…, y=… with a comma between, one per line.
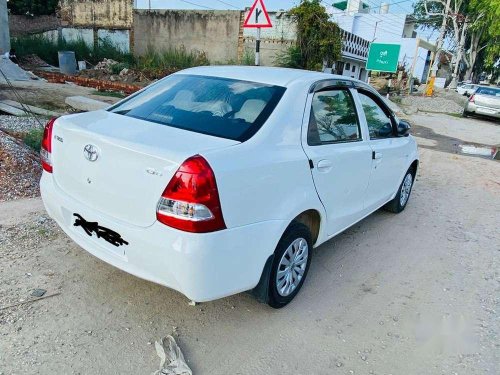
x=268, y=75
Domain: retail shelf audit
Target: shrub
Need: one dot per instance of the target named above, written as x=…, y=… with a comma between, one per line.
x=33, y=139
x=157, y=64
x=47, y=50
x=318, y=38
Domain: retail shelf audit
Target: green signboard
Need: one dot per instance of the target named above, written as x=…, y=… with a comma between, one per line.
x=383, y=57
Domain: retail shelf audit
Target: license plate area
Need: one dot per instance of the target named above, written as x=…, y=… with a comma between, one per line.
x=93, y=229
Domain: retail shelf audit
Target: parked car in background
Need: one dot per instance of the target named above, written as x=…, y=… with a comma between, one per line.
x=466, y=89
x=484, y=101
x=218, y=180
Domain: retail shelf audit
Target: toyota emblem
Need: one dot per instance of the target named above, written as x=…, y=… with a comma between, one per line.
x=91, y=152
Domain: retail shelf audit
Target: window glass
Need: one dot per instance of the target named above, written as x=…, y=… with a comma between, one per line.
x=348, y=66
x=379, y=124
x=216, y=106
x=354, y=68
x=333, y=118
x=488, y=91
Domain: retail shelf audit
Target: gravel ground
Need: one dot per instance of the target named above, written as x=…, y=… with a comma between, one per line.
x=19, y=124
x=412, y=104
x=20, y=169
x=415, y=293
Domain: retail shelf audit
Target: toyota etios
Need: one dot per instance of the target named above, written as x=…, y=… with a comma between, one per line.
x=218, y=180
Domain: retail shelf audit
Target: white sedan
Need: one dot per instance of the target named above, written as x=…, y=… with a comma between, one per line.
x=219, y=180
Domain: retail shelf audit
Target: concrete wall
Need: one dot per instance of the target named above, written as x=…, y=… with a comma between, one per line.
x=22, y=25
x=112, y=14
x=72, y=34
x=214, y=32
x=95, y=20
x=119, y=38
x=274, y=41
x=4, y=27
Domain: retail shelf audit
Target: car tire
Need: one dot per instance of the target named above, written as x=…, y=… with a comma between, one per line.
x=401, y=199
x=465, y=113
x=285, y=281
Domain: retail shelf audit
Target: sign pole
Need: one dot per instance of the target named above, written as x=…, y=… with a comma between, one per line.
x=257, y=48
x=252, y=21
x=257, y=41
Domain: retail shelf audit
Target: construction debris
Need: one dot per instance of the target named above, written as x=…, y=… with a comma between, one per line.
x=82, y=103
x=101, y=85
x=171, y=358
x=6, y=105
x=106, y=65
x=13, y=72
x=11, y=110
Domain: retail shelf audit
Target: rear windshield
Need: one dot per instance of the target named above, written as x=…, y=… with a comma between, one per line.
x=488, y=91
x=216, y=106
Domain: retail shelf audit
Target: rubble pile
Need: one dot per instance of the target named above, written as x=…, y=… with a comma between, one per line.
x=106, y=64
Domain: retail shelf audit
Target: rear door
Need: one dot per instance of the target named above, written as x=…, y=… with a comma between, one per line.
x=390, y=153
x=340, y=157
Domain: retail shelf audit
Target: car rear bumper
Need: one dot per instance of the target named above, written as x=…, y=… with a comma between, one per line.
x=481, y=110
x=203, y=267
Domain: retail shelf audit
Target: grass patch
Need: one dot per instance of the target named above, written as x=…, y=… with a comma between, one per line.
x=33, y=139
x=156, y=64
x=48, y=50
x=110, y=94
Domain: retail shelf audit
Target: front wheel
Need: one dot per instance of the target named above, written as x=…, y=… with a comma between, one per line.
x=399, y=202
x=292, y=259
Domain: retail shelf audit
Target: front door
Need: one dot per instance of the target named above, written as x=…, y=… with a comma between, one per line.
x=341, y=158
x=390, y=152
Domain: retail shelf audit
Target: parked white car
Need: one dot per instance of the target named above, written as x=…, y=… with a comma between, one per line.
x=485, y=101
x=219, y=180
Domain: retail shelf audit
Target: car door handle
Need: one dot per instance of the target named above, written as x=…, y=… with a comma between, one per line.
x=324, y=165
x=376, y=155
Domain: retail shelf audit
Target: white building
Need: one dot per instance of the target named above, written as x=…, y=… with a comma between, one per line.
x=376, y=24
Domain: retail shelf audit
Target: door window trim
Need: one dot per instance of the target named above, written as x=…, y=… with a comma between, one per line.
x=335, y=87
x=387, y=111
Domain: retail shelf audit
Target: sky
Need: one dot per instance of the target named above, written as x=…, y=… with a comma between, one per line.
x=405, y=6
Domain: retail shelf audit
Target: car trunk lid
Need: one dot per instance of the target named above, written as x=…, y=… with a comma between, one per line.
x=489, y=101
x=120, y=165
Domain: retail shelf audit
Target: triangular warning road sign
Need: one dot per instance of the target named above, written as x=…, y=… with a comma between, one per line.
x=258, y=16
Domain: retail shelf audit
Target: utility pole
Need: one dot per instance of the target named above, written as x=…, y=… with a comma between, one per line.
x=436, y=56
x=4, y=28
x=375, y=30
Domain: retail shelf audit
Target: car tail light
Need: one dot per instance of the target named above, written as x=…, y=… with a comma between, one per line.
x=471, y=99
x=190, y=202
x=46, y=149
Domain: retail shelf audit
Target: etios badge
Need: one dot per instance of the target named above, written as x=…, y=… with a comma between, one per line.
x=91, y=152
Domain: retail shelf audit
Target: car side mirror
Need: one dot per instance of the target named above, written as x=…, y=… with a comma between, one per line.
x=403, y=128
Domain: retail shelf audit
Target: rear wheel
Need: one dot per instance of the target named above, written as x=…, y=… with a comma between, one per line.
x=399, y=202
x=292, y=258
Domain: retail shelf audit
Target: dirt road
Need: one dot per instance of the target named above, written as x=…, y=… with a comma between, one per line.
x=415, y=293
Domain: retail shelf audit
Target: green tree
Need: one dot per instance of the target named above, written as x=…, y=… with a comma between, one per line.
x=33, y=7
x=318, y=39
x=474, y=27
